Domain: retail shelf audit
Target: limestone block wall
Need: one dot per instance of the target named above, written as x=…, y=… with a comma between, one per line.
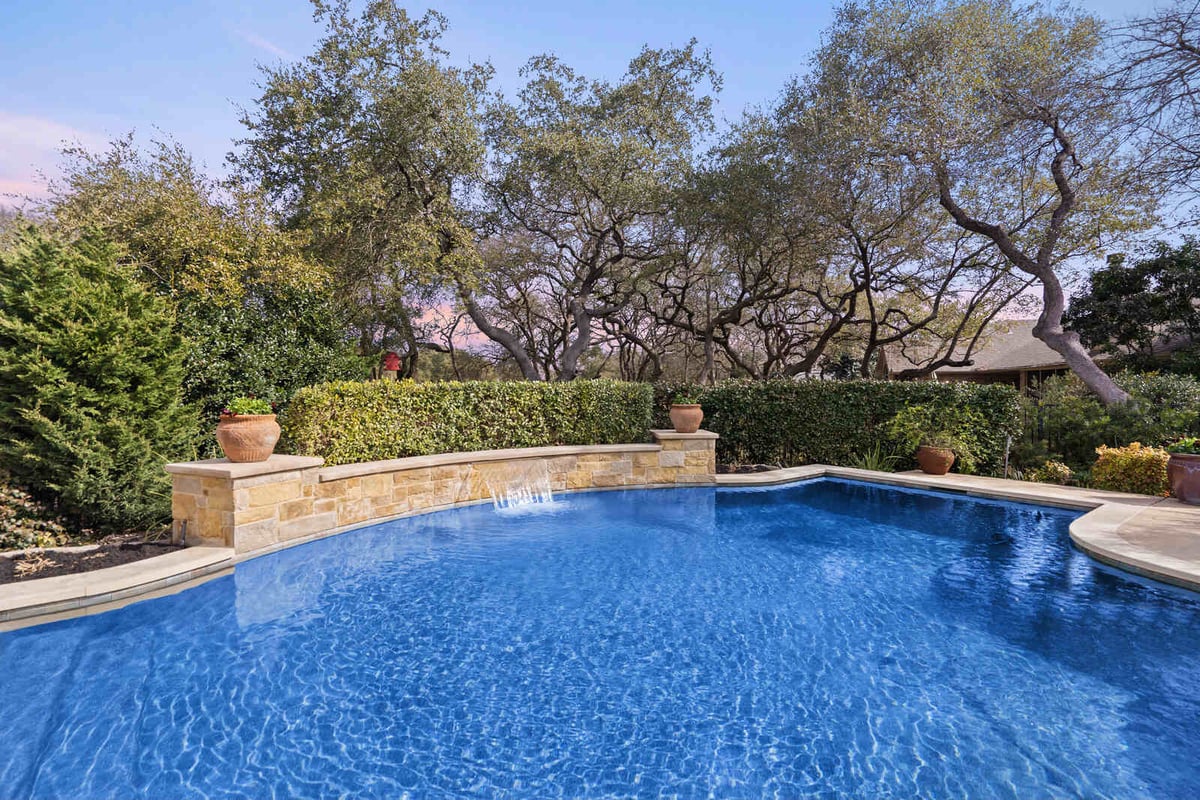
x=259, y=507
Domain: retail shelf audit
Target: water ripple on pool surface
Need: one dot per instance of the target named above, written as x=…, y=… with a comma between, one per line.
x=830, y=639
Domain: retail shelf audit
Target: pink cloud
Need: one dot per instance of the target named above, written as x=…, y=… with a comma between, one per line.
x=31, y=149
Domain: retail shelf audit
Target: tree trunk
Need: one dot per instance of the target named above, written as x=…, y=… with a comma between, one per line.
x=579, y=345
x=502, y=337
x=710, y=361
x=1049, y=329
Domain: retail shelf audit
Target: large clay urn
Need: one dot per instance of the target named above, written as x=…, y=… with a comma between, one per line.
x=247, y=437
x=686, y=417
x=935, y=460
x=1183, y=473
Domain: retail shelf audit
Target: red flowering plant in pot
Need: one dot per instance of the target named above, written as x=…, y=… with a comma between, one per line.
x=248, y=431
x=686, y=412
x=1183, y=469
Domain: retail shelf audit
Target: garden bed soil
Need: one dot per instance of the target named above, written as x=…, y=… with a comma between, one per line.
x=37, y=563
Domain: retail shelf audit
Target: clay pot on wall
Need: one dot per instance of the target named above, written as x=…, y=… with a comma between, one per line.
x=935, y=460
x=686, y=417
x=247, y=437
x=1183, y=473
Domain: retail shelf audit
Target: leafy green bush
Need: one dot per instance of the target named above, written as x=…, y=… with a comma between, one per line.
x=349, y=422
x=876, y=458
x=248, y=406
x=953, y=428
x=90, y=383
x=1189, y=445
x=1136, y=469
x=270, y=343
x=836, y=422
x=1073, y=423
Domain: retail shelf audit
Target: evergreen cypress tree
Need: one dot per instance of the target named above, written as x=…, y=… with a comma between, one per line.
x=90, y=382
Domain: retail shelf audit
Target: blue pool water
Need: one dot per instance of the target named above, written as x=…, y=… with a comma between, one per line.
x=829, y=639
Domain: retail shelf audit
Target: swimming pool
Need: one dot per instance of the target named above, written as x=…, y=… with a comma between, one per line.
x=830, y=638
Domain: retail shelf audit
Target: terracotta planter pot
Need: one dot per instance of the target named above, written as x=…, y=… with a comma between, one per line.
x=1183, y=473
x=686, y=417
x=935, y=460
x=247, y=437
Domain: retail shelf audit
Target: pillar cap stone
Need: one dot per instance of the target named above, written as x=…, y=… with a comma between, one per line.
x=667, y=433
x=224, y=468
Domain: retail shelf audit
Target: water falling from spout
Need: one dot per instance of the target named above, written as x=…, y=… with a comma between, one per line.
x=521, y=485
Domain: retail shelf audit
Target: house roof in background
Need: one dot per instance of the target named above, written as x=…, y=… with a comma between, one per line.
x=1011, y=347
x=1008, y=346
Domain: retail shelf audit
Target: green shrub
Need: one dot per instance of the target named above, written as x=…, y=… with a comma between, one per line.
x=248, y=405
x=876, y=458
x=836, y=422
x=1189, y=445
x=1136, y=469
x=270, y=343
x=1073, y=423
x=90, y=383
x=951, y=428
x=349, y=422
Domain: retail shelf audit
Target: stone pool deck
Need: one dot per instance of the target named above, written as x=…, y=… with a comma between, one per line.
x=1155, y=537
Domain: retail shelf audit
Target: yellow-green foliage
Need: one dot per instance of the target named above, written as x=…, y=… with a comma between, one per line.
x=349, y=422
x=1136, y=469
x=1052, y=472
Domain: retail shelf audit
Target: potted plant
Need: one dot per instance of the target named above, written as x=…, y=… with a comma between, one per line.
x=686, y=413
x=1183, y=469
x=248, y=430
x=938, y=436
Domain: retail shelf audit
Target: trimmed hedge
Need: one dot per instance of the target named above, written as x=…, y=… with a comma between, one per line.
x=349, y=422
x=833, y=422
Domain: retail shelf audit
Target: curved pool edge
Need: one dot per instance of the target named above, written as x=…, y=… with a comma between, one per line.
x=34, y=602
x=1152, y=537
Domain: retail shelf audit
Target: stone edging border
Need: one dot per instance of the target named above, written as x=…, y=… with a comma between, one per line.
x=1117, y=530
x=50, y=599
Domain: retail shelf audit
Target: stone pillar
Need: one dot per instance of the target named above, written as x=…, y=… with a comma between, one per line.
x=692, y=457
x=246, y=506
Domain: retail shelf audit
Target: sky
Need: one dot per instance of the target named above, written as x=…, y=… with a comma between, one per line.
x=88, y=71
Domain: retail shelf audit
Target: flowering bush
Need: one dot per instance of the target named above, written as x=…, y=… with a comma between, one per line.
x=1135, y=469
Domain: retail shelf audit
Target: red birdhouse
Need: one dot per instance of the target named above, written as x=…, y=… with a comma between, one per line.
x=391, y=362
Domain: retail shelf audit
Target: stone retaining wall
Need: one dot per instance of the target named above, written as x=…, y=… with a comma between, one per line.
x=253, y=507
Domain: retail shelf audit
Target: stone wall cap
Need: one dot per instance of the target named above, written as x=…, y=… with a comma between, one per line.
x=667, y=433
x=343, y=471
x=224, y=468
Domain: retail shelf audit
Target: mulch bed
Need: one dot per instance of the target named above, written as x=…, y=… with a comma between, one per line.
x=32, y=564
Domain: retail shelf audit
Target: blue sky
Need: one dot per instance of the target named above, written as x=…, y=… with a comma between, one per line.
x=91, y=70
